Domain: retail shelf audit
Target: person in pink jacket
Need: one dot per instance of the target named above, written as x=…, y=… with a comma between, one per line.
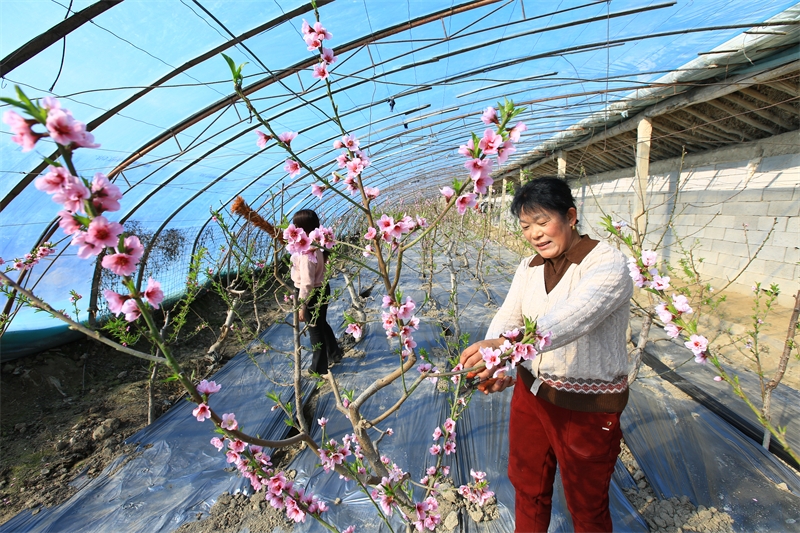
x=313, y=291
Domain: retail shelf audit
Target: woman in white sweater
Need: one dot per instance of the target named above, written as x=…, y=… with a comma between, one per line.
x=565, y=410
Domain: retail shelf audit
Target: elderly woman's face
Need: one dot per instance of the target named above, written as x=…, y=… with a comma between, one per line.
x=548, y=232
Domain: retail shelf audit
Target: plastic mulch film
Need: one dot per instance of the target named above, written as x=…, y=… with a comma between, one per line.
x=175, y=474
x=685, y=449
x=785, y=405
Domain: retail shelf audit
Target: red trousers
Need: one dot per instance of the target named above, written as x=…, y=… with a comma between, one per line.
x=584, y=445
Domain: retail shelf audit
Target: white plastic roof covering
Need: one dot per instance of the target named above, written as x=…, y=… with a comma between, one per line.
x=148, y=78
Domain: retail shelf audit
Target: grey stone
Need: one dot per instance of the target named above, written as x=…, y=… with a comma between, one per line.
x=660, y=521
x=451, y=522
x=475, y=512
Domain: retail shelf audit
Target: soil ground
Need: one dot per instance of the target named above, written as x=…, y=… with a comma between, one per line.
x=67, y=411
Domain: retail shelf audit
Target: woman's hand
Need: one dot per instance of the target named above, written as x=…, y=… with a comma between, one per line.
x=301, y=313
x=471, y=356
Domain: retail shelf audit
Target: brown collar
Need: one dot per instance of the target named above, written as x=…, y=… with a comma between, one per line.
x=574, y=255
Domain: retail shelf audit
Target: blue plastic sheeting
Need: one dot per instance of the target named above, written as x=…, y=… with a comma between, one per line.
x=685, y=449
x=176, y=473
x=785, y=406
x=19, y=343
x=682, y=447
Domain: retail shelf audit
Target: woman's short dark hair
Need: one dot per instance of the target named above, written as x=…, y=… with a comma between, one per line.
x=306, y=219
x=547, y=193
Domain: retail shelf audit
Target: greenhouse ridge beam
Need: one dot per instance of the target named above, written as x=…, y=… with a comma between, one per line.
x=52, y=35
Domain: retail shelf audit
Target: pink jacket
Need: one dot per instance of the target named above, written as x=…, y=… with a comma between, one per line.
x=306, y=274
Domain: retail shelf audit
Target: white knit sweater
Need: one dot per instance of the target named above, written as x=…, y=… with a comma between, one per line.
x=587, y=313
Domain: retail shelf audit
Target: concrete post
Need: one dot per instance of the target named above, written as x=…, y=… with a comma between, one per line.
x=503, y=200
x=644, y=135
x=561, y=157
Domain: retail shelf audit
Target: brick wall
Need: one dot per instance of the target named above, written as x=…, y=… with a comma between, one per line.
x=727, y=200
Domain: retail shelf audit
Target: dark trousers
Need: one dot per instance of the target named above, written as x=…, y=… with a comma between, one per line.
x=323, y=340
x=584, y=445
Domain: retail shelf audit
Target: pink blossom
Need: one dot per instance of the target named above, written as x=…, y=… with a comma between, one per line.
x=218, y=443
x=355, y=167
x=292, y=167
x=328, y=57
x=516, y=131
x=372, y=192
x=422, y=222
x=86, y=248
x=649, y=258
x=370, y=234
x=337, y=144
x=120, y=264
x=681, y=303
x=490, y=356
x=320, y=71
x=450, y=425
x=490, y=116
x=663, y=313
x=115, y=301
x=202, y=412
x=317, y=190
x=467, y=150
x=229, y=422
x=208, y=387
x=660, y=283
x=449, y=447
x=287, y=136
x=367, y=251
x=436, y=449
x=405, y=311
x=51, y=182
x=83, y=138
x=482, y=182
x=447, y=192
x=23, y=135
x=322, y=32
x=349, y=529
x=233, y=457
x=72, y=194
x=543, y=339
x=133, y=247
x=351, y=142
x=68, y=223
x=262, y=140
x=478, y=167
x=672, y=330
x=465, y=201
x=131, y=310
x=387, y=300
x=504, y=151
x=101, y=232
x=490, y=142
x=524, y=351
x=237, y=445
x=105, y=195
x=292, y=233
x=322, y=422
x=355, y=330
x=153, y=293
x=698, y=344
x=717, y=378
x=63, y=128
x=312, y=41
